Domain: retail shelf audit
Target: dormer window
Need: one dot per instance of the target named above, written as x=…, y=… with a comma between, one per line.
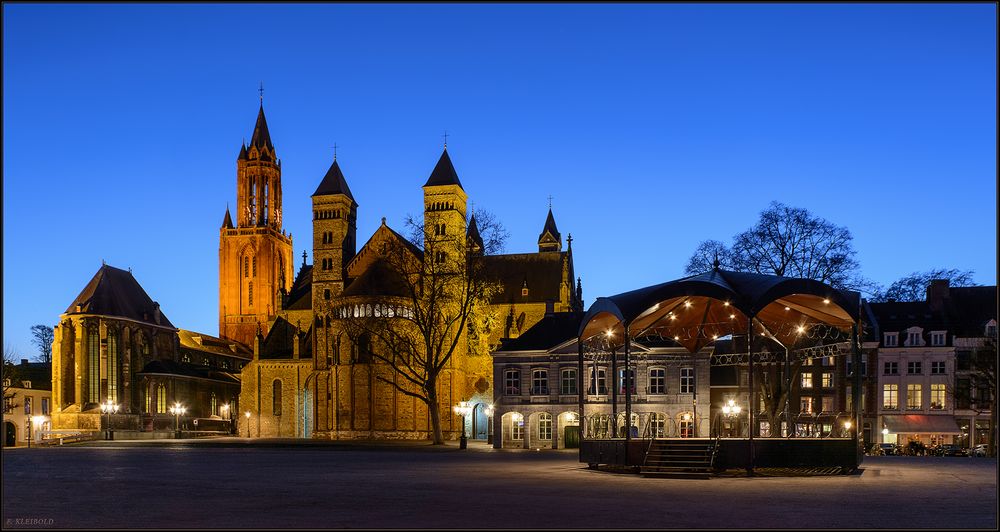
x=991, y=329
x=891, y=339
x=938, y=338
x=914, y=337
x=27, y=384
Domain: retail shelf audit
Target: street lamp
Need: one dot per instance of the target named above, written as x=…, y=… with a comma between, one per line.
x=731, y=410
x=177, y=410
x=489, y=424
x=224, y=413
x=35, y=421
x=247, y=414
x=463, y=410
x=109, y=408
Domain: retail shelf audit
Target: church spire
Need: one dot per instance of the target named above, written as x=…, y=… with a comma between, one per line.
x=444, y=173
x=261, y=137
x=333, y=182
x=550, y=239
x=227, y=222
x=475, y=240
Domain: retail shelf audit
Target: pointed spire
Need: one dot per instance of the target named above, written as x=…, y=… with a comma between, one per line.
x=303, y=257
x=333, y=183
x=261, y=137
x=243, y=152
x=474, y=238
x=444, y=173
x=227, y=222
x=550, y=239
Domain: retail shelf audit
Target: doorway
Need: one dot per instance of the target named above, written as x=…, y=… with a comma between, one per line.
x=9, y=434
x=480, y=422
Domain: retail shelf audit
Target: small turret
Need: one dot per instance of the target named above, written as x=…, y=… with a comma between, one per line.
x=550, y=239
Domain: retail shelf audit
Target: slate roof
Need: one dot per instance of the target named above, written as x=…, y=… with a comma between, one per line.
x=114, y=292
x=39, y=373
x=300, y=296
x=550, y=227
x=549, y=332
x=965, y=313
x=243, y=152
x=187, y=370
x=261, y=137
x=204, y=343
x=379, y=279
x=542, y=271
x=280, y=339
x=444, y=173
x=473, y=232
x=333, y=183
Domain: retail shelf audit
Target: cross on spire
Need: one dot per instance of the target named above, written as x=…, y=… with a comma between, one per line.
x=445, y=139
x=550, y=201
x=334, y=151
x=261, y=91
x=303, y=257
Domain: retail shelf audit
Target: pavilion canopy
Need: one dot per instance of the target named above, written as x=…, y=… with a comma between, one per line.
x=696, y=310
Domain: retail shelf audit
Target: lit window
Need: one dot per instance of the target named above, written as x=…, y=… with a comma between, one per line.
x=807, y=380
x=890, y=396
x=517, y=427
x=913, y=397
x=937, y=396
x=161, y=399
x=657, y=381
x=828, y=380
x=914, y=368
x=806, y=405
x=545, y=426
x=827, y=403
x=687, y=425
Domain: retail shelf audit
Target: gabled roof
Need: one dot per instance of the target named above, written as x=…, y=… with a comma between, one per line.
x=300, y=296
x=261, y=137
x=227, y=221
x=549, y=332
x=444, y=173
x=187, y=370
x=280, y=341
x=379, y=279
x=333, y=183
x=205, y=343
x=114, y=292
x=38, y=373
x=550, y=227
x=542, y=272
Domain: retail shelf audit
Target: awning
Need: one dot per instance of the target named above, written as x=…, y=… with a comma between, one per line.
x=916, y=423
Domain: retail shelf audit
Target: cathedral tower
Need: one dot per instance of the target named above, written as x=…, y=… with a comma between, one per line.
x=255, y=255
x=444, y=210
x=549, y=239
x=335, y=216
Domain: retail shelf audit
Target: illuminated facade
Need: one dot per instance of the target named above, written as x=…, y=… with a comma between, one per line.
x=308, y=378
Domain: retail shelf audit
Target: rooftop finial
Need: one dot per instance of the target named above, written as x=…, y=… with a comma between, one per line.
x=383, y=220
x=303, y=257
x=715, y=262
x=334, y=151
x=550, y=201
x=261, y=91
x=445, y=139
x=569, y=240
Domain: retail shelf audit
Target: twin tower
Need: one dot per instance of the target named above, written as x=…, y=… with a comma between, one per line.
x=255, y=254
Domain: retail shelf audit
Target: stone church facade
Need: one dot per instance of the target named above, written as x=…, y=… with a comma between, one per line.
x=308, y=377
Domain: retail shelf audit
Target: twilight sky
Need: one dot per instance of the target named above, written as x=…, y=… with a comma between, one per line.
x=653, y=127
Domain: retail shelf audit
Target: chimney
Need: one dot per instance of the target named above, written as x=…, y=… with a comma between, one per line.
x=24, y=362
x=156, y=312
x=937, y=292
x=549, y=307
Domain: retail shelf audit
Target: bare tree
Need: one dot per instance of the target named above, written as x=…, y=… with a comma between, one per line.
x=790, y=242
x=11, y=378
x=42, y=336
x=913, y=287
x=422, y=313
x=981, y=393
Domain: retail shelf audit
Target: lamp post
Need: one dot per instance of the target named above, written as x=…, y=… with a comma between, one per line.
x=847, y=427
x=177, y=410
x=247, y=414
x=109, y=408
x=731, y=410
x=463, y=410
x=489, y=424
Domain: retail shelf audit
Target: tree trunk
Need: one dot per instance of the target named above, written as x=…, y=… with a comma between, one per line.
x=432, y=404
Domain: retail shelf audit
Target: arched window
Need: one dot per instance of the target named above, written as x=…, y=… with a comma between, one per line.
x=250, y=294
x=364, y=349
x=658, y=424
x=544, y=426
x=161, y=399
x=246, y=267
x=113, y=360
x=276, y=397
x=93, y=365
x=215, y=405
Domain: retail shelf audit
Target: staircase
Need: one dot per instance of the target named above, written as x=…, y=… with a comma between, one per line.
x=679, y=458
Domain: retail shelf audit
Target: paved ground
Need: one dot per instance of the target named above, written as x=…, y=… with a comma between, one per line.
x=234, y=484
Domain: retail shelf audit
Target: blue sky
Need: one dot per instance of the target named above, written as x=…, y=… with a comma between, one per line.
x=653, y=126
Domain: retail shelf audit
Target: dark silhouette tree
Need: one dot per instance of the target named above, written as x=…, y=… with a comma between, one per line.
x=913, y=287
x=42, y=336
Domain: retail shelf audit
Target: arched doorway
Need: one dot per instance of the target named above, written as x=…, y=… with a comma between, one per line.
x=512, y=430
x=9, y=434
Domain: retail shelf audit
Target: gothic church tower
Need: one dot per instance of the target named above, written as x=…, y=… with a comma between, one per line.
x=255, y=254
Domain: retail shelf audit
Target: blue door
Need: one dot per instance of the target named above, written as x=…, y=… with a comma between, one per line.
x=480, y=423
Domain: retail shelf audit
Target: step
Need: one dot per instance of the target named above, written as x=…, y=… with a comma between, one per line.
x=700, y=475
